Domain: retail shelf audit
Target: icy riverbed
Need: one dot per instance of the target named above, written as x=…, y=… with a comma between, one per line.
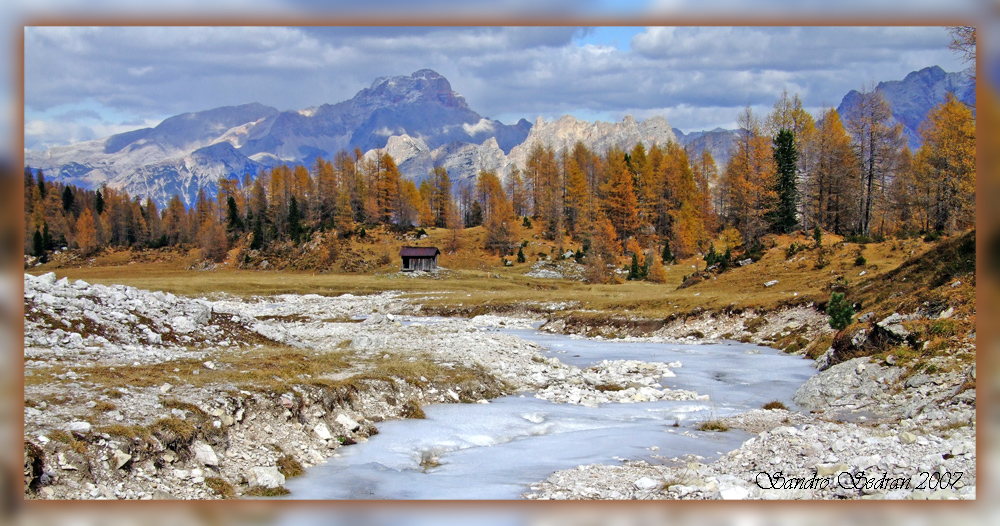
x=495, y=450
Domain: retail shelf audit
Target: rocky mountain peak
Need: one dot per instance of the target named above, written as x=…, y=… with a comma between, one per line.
x=425, y=85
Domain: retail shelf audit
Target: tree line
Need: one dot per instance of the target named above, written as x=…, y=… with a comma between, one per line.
x=850, y=174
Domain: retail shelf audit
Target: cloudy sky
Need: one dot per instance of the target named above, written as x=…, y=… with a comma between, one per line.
x=83, y=83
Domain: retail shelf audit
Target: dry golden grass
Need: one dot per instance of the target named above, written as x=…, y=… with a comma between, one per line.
x=478, y=281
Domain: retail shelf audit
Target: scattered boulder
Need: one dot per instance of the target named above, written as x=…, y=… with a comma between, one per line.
x=266, y=477
x=322, y=432
x=348, y=423
x=121, y=458
x=204, y=454
x=79, y=426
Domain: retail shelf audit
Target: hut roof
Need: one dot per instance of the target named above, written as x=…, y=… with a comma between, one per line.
x=419, y=252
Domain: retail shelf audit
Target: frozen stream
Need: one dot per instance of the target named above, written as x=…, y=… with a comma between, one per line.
x=495, y=450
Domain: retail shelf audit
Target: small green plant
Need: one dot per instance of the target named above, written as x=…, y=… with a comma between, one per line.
x=818, y=235
x=840, y=312
x=774, y=404
x=860, y=261
x=942, y=328
x=712, y=257
x=520, y=255
x=526, y=222
x=668, y=256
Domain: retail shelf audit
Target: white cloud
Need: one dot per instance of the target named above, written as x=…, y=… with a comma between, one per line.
x=512, y=72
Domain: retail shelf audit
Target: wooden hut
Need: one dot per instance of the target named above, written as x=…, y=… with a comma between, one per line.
x=419, y=258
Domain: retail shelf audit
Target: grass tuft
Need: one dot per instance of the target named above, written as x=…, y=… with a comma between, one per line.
x=221, y=487
x=411, y=409
x=713, y=425
x=266, y=492
x=289, y=467
x=774, y=404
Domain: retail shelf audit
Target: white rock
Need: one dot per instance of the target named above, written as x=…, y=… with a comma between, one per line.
x=347, y=422
x=646, y=484
x=266, y=477
x=322, y=432
x=734, y=493
x=165, y=388
x=79, y=426
x=204, y=454
x=121, y=458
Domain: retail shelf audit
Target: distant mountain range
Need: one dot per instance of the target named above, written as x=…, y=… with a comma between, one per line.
x=418, y=119
x=914, y=96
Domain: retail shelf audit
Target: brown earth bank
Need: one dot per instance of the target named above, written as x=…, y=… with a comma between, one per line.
x=111, y=411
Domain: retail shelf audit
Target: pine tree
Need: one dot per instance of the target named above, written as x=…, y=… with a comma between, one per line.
x=520, y=255
x=668, y=256
x=99, y=203
x=294, y=220
x=633, y=270
x=233, y=222
x=840, y=311
x=785, y=161
x=257, y=242
x=41, y=184
x=67, y=199
x=38, y=245
x=475, y=216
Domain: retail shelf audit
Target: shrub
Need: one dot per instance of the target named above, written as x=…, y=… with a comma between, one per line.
x=520, y=254
x=774, y=404
x=526, y=223
x=818, y=236
x=840, y=312
x=860, y=261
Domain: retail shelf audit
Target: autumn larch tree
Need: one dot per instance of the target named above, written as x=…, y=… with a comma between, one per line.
x=621, y=205
x=877, y=145
x=948, y=164
x=749, y=179
x=441, y=201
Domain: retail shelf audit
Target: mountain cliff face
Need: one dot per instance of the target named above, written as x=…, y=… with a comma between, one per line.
x=915, y=96
x=563, y=133
x=717, y=142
